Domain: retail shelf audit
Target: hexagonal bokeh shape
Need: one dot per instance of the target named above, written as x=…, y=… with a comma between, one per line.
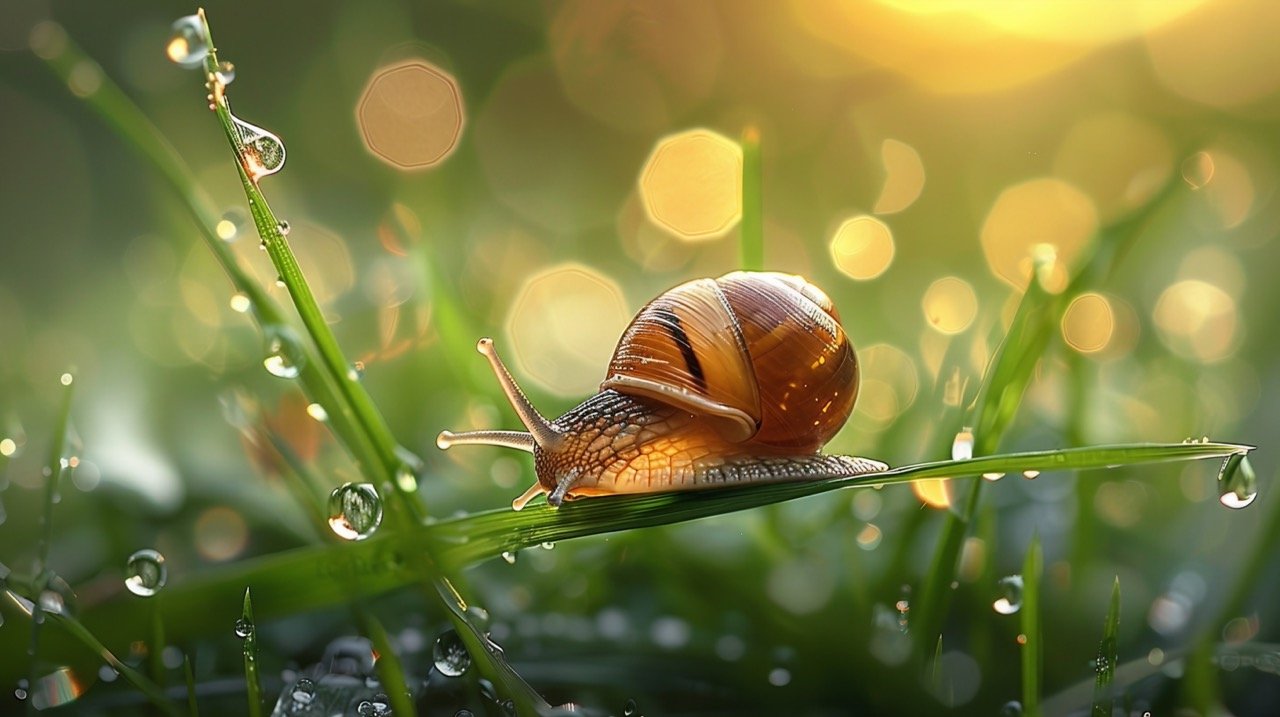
x=691, y=185
x=410, y=114
x=1035, y=215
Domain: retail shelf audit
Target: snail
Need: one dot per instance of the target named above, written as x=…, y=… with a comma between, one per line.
x=730, y=381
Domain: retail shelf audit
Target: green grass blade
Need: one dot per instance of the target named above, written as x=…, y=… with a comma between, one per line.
x=390, y=671
x=370, y=420
x=286, y=582
x=751, y=228
x=1105, y=666
x=1033, y=648
x=248, y=633
x=193, y=705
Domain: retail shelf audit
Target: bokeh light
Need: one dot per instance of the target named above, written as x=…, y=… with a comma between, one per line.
x=904, y=177
x=1227, y=187
x=1039, y=212
x=1234, y=63
x=1117, y=159
x=890, y=381
x=862, y=247
x=1197, y=320
x=933, y=492
x=564, y=325
x=1088, y=323
x=221, y=533
x=410, y=114
x=691, y=185
x=950, y=305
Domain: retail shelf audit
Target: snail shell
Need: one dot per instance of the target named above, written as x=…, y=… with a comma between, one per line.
x=715, y=382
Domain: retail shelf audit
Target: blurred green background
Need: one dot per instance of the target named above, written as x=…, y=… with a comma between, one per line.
x=582, y=160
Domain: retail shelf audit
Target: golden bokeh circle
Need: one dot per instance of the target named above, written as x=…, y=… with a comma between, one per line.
x=1043, y=215
x=1197, y=320
x=1088, y=323
x=410, y=114
x=862, y=247
x=691, y=185
x=950, y=305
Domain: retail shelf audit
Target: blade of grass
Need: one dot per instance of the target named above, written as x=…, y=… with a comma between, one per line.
x=248, y=633
x=751, y=227
x=334, y=362
x=1105, y=666
x=193, y=706
x=334, y=574
x=1033, y=648
x=390, y=672
x=140, y=134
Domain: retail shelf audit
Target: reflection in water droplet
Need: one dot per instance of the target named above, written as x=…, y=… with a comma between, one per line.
x=186, y=46
x=993, y=476
x=240, y=303
x=284, y=227
x=1010, y=600
x=284, y=354
x=145, y=573
x=450, y=655
x=355, y=511
x=509, y=556
x=1197, y=170
x=304, y=692
x=226, y=73
x=1012, y=708
x=1030, y=475
x=58, y=597
x=548, y=546
x=317, y=412
x=261, y=151
x=962, y=446
x=629, y=708
x=244, y=628
x=1237, y=483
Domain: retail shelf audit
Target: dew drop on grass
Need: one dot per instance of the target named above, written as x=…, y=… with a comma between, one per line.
x=479, y=617
x=993, y=477
x=226, y=73
x=186, y=46
x=230, y=225
x=304, y=692
x=284, y=355
x=261, y=151
x=962, y=446
x=464, y=712
x=317, y=412
x=1010, y=599
x=379, y=706
x=1012, y=708
x=240, y=303
x=509, y=556
x=1030, y=475
x=406, y=481
x=629, y=708
x=58, y=597
x=1237, y=483
x=244, y=628
x=548, y=546
x=450, y=655
x=21, y=690
x=356, y=372
x=355, y=510
x=284, y=228
x=145, y=573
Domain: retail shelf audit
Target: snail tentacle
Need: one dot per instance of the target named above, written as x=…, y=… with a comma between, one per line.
x=519, y=440
x=543, y=433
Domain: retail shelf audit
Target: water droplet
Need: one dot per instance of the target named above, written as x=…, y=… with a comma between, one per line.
x=962, y=446
x=509, y=707
x=509, y=556
x=779, y=677
x=1030, y=475
x=406, y=480
x=450, y=655
x=304, y=692
x=356, y=372
x=284, y=228
x=240, y=303
x=145, y=573
x=548, y=546
x=993, y=476
x=226, y=73
x=58, y=597
x=66, y=379
x=1237, y=483
x=261, y=151
x=317, y=412
x=21, y=690
x=1010, y=600
x=904, y=609
x=230, y=225
x=478, y=616
x=284, y=354
x=377, y=707
x=629, y=708
x=186, y=46
x=1197, y=170
x=244, y=628
x=355, y=510
x=464, y=712
x=1012, y=708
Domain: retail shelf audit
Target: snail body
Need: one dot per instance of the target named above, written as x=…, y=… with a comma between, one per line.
x=736, y=380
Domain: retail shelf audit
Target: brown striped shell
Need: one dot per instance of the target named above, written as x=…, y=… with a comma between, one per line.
x=761, y=353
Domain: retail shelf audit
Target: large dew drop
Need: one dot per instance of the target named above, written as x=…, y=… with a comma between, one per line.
x=1237, y=483
x=450, y=655
x=186, y=46
x=1010, y=599
x=355, y=511
x=284, y=355
x=261, y=151
x=145, y=573
x=962, y=446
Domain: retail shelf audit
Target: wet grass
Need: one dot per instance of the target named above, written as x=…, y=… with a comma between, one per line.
x=428, y=558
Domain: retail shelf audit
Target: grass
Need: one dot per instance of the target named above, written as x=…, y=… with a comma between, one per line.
x=426, y=558
x=1105, y=664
